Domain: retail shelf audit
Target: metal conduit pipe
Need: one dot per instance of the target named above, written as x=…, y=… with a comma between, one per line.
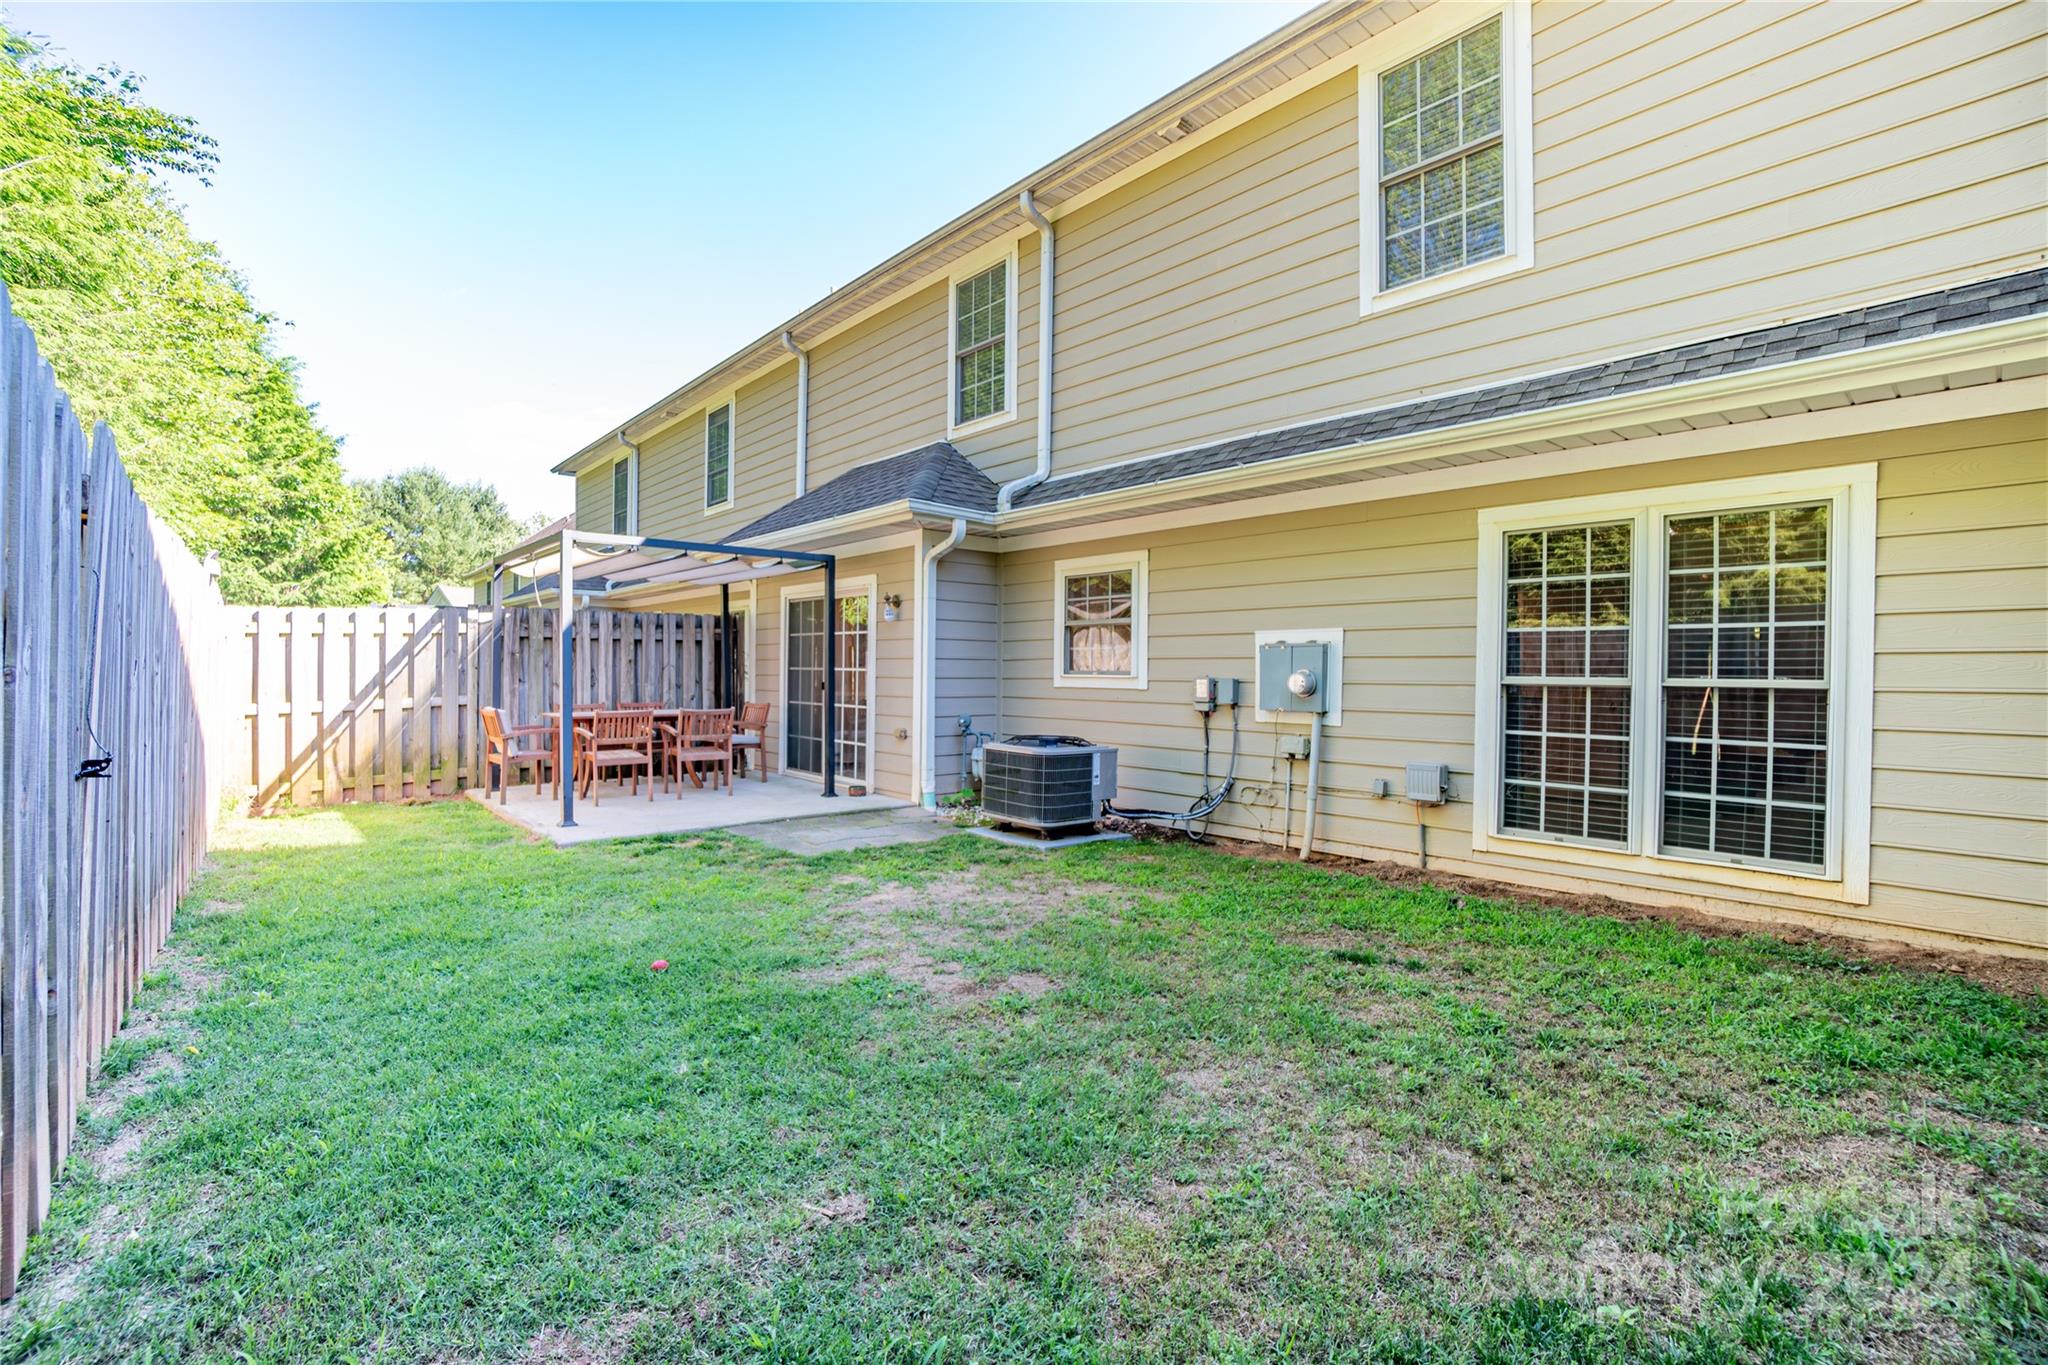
x=1315, y=776
x=1042, y=470
x=927, y=649
x=803, y=410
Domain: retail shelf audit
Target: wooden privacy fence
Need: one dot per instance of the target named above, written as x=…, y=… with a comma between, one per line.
x=107, y=744
x=380, y=703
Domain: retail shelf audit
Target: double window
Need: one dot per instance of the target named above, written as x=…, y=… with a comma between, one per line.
x=718, y=457
x=1677, y=679
x=983, y=312
x=1099, y=618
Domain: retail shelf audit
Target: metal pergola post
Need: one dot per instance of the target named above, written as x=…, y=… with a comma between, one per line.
x=831, y=676
x=565, y=729
x=725, y=682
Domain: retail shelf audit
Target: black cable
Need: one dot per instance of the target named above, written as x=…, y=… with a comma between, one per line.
x=1204, y=805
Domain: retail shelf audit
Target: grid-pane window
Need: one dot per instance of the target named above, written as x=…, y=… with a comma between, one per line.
x=1746, y=684
x=1099, y=619
x=622, y=497
x=1565, y=689
x=718, y=456
x=1442, y=159
x=981, y=313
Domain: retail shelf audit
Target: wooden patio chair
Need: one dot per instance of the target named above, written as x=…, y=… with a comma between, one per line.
x=507, y=746
x=612, y=740
x=750, y=738
x=703, y=739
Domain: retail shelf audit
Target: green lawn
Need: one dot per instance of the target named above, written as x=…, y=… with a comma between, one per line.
x=406, y=1089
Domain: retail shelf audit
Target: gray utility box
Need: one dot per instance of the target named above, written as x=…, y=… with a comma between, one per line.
x=1281, y=661
x=1047, y=782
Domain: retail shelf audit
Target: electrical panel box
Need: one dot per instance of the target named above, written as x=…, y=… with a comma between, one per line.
x=1211, y=693
x=1294, y=675
x=1429, y=784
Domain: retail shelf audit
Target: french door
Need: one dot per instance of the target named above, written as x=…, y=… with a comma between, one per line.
x=804, y=734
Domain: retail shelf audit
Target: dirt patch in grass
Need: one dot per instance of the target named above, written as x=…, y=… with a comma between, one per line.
x=919, y=934
x=2014, y=975
x=582, y=1346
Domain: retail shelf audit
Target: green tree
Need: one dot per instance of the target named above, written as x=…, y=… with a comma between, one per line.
x=437, y=529
x=151, y=332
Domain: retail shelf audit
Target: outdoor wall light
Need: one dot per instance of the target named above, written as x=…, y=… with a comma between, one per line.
x=890, y=605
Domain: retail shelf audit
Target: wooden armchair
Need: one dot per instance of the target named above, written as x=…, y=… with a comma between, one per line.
x=613, y=740
x=702, y=739
x=509, y=746
x=749, y=738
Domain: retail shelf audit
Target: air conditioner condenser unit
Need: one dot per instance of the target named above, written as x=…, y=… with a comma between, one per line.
x=1047, y=782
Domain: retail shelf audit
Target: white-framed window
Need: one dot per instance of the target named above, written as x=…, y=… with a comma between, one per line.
x=1683, y=675
x=1445, y=155
x=981, y=385
x=718, y=444
x=1099, y=611
x=625, y=495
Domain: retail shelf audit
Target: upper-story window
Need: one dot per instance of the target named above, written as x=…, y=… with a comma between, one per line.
x=1446, y=158
x=984, y=317
x=622, y=496
x=1441, y=187
x=718, y=457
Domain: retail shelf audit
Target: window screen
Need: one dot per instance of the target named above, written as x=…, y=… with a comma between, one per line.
x=1746, y=685
x=1442, y=159
x=1565, y=689
x=981, y=310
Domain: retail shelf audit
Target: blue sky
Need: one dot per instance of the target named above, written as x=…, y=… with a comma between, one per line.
x=498, y=230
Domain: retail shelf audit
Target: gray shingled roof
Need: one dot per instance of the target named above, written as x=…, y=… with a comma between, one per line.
x=935, y=473
x=1946, y=310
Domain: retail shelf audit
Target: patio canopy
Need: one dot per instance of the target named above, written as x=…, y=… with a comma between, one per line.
x=596, y=565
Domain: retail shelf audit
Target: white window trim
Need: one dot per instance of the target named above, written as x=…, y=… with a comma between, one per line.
x=1852, y=492
x=632, y=462
x=855, y=586
x=1139, y=563
x=1403, y=43
x=730, y=402
x=972, y=266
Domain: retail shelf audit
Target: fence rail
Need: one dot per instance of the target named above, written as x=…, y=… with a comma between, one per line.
x=380, y=703
x=108, y=740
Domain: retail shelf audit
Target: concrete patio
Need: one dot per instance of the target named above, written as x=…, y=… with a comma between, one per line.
x=618, y=814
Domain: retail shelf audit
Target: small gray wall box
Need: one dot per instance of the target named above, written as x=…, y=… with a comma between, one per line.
x=1429, y=784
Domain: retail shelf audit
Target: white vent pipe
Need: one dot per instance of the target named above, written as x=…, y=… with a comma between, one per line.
x=1043, y=469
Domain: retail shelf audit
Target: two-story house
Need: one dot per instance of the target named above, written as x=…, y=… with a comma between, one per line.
x=1643, y=402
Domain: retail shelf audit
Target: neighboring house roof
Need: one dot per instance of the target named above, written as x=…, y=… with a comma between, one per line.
x=1314, y=39
x=1946, y=310
x=936, y=474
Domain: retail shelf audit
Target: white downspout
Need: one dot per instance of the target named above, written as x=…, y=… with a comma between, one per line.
x=803, y=410
x=927, y=653
x=1043, y=470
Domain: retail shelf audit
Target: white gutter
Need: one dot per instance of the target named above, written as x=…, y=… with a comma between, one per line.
x=927, y=646
x=1043, y=469
x=803, y=410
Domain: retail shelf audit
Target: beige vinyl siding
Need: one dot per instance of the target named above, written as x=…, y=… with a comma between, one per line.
x=879, y=387
x=1699, y=170
x=967, y=681
x=890, y=660
x=594, y=499
x=763, y=463
x=1960, y=749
